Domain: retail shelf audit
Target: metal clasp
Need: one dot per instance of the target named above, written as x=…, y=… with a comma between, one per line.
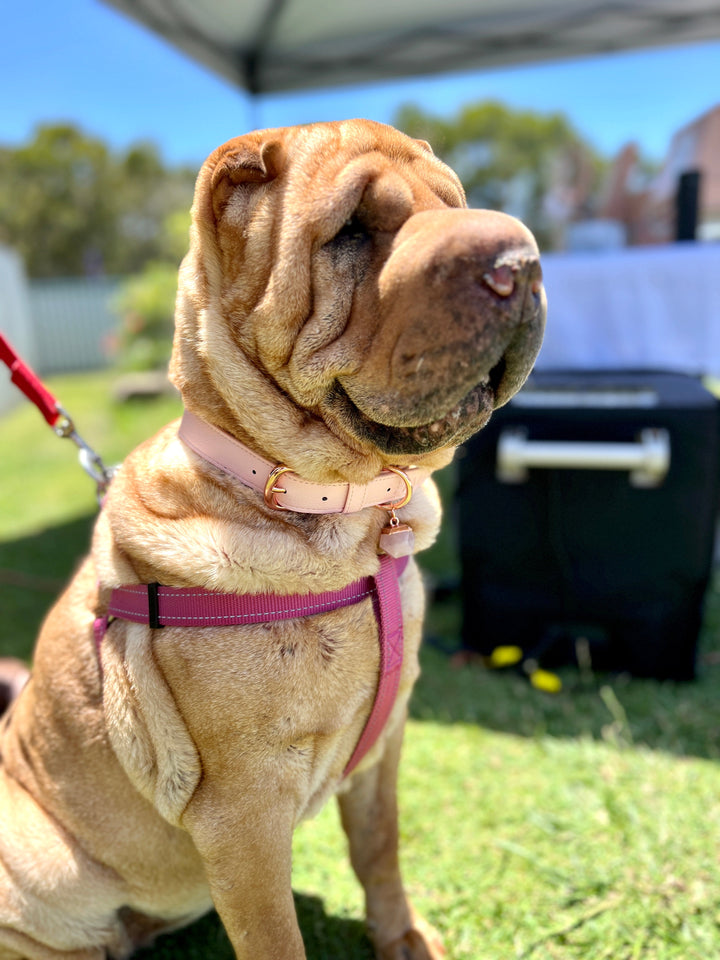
x=271, y=489
x=90, y=461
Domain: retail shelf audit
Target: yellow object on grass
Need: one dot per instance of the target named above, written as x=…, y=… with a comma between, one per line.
x=546, y=681
x=505, y=657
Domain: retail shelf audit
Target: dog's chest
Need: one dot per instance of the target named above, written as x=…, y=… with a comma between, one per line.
x=290, y=698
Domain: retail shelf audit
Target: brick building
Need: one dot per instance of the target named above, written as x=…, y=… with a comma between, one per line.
x=649, y=215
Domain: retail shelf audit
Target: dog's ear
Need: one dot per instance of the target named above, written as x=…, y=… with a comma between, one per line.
x=244, y=164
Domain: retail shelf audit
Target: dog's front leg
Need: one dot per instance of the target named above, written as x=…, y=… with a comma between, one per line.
x=370, y=818
x=245, y=840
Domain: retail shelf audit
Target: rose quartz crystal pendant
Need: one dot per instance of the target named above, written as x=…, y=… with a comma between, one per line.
x=397, y=539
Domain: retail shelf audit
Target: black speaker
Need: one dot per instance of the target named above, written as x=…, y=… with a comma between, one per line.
x=587, y=513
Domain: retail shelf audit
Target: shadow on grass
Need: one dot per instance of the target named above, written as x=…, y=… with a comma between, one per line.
x=679, y=718
x=33, y=572
x=325, y=937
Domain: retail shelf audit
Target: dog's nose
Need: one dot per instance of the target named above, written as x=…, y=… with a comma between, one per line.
x=482, y=260
x=517, y=284
x=503, y=279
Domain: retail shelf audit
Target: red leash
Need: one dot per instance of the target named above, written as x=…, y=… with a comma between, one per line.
x=27, y=381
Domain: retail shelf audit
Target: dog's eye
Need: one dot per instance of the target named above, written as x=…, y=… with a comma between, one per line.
x=352, y=229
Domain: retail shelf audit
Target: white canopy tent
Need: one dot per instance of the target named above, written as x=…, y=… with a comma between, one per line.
x=267, y=46
x=271, y=45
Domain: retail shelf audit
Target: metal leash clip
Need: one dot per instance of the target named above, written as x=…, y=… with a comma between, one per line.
x=90, y=461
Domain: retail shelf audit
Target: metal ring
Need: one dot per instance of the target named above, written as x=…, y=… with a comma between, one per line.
x=65, y=427
x=408, y=491
x=271, y=489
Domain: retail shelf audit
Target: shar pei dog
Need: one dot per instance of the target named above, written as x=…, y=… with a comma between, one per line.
x=242, y=639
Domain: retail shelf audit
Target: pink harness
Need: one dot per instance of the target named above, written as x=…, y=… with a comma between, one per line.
x=160, y=606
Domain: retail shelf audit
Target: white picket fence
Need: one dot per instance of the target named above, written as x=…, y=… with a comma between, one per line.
x=15, y=322
x=57, y=326
x=73, y=322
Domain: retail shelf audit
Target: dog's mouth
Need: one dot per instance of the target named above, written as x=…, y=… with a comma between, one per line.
x=452, y=428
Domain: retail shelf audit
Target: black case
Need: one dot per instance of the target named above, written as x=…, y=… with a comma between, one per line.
x=567, y=559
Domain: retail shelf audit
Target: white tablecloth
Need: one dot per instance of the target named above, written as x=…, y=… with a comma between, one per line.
x=634, y=308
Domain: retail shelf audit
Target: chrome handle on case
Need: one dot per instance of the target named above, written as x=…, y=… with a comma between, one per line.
x=648, y=460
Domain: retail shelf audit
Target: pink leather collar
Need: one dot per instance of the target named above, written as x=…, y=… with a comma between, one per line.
x=160, y=606
x=284, y=489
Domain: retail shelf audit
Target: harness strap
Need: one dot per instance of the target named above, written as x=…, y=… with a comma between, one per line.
x=191, y=607
x=390, y=634
x=160, y=606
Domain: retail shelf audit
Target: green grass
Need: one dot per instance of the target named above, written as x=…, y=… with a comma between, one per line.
x=582, y=825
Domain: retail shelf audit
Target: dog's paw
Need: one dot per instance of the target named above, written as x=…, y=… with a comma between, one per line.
x=421, y=943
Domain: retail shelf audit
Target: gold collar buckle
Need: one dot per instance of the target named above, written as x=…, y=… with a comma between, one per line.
x=271, y=490
x=392, y=506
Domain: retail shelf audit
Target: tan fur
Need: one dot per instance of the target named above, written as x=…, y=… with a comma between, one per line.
x=136, y=793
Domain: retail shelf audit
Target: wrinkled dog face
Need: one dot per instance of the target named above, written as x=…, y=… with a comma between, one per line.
x=343, y=262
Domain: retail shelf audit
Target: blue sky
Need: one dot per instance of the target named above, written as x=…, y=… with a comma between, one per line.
x=81, y=61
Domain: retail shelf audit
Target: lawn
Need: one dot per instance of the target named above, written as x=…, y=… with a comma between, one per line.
x=580, y=825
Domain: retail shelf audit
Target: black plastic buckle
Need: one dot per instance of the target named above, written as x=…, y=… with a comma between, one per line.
x=154, y=606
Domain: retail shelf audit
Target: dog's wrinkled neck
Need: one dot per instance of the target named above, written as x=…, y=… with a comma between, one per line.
x=230, y=391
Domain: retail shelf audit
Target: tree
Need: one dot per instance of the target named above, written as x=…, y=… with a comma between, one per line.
x=145, y=303
x=512, y=160
x=72, y=207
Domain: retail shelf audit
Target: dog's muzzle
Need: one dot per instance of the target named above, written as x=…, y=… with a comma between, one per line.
x=462, y=316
